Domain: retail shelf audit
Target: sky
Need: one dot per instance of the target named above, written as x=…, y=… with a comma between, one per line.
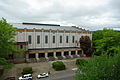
x=88, y=14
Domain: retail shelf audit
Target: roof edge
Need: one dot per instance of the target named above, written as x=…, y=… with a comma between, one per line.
x=26, y=23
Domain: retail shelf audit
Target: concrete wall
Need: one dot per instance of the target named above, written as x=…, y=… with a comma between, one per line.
x=22, y=36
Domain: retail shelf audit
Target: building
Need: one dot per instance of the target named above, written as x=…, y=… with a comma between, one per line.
x=49, y=41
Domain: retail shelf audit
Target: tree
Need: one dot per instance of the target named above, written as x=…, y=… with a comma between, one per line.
x=7, y=33
x=85, y=45
x=103, y=67
x=106, y=41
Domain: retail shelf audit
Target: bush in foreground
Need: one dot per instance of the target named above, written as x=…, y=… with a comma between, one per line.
x=102, y=67
x=81, y=62
x=27, y=70
x=58, y=65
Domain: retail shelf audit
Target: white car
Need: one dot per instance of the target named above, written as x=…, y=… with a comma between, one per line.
x=43, y=75
x=26, y=77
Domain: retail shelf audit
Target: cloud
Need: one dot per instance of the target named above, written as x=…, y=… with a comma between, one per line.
x=90, y=14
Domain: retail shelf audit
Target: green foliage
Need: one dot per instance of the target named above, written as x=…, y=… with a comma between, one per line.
x=106, y=41
x=7, y=33
x=81, y=62
x=103, y=67
x=1, y=72
x=58, y=65
x=5, y=64
x=3, y=61
x=27, y=70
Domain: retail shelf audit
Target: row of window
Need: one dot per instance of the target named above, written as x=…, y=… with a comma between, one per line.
x=46, y=39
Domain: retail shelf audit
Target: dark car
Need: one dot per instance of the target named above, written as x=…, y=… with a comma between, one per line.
x=10, y=78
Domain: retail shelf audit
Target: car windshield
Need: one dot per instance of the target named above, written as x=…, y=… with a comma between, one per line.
x=42, y=74
x=23, y=76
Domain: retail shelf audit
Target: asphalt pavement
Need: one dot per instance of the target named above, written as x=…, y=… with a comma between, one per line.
x=67, y=75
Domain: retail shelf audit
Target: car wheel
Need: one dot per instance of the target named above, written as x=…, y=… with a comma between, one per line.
x=38, y=77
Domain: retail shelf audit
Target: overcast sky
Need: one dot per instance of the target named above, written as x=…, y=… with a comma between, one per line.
x=89, y=14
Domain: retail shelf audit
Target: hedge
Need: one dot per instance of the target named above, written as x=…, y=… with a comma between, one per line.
x=27, y=70
x=58, y=65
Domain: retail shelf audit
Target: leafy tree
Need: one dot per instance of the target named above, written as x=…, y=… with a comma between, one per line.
x=85, y=45
x=103, y=67
x=106, y=41
x=7, y=33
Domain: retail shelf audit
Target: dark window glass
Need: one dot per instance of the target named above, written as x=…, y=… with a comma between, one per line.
x=66, y=39
x=38, y=39
x=46, y=39
x=21, y=46
x=73, y=39
x=53, y=39
x=29, y=39
x=60, y=39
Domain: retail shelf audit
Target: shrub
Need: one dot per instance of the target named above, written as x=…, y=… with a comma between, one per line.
x=27, y=70
x=58, y=65
x=81, y=62
x=102, y=67
x=1, y=72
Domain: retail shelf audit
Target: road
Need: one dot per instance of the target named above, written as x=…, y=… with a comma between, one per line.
x=67, y=75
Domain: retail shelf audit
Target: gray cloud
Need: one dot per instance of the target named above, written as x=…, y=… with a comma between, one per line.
x=90, y=14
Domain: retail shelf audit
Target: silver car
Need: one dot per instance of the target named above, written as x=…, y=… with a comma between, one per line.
x=43, y=75
x=26, y=77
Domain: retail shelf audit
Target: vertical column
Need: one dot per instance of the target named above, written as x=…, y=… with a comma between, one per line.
x=27, y=57
x=46, y=56
x=50, y=39
x=37, y=56
x=34, y=38
x=54, y=54
x=42, y=39
x=57, y=39
x=83, y=53
x=76, y=53
x=62, y=54
x=70, y=54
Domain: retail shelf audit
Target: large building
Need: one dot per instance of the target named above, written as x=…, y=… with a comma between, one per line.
x=49, y=41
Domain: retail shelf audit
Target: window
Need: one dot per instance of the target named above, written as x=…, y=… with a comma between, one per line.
x=73, y=39
x=53, y=39
x=66, y=39
x=29, y=39
x=38, y=39
x=46, y=39
x=60, y=39
x=21, y=46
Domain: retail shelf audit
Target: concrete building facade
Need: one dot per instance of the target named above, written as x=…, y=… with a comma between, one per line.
x=49, y=41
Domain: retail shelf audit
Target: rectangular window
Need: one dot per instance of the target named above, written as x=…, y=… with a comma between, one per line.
x=21, y=46
x=53, y=39
x=73, y=39
x=60, y=39
x=46, y=39
x=66, y=39
x=38, y=39
x=29, y=39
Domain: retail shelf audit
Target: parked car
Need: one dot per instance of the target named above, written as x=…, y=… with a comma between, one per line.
x=10, y=78
x=26, y=77
x=43, y=75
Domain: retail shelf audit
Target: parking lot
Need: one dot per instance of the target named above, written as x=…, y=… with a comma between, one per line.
x=38, y=68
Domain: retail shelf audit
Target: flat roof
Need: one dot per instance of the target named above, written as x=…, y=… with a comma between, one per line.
x=44, y=26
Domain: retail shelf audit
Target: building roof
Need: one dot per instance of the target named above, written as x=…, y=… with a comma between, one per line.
x=44, y=26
